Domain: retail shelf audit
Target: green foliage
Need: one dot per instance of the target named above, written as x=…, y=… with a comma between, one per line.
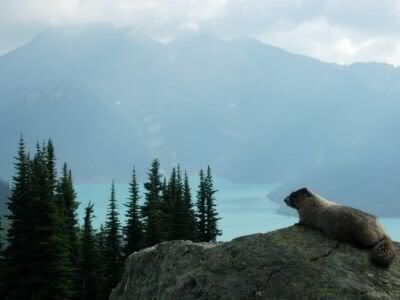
x=212, y=218
x=175, y=210
x=1, y=237
x=4, y=194
x=112, y=247
x=207, y=215
x=181, y=218
x=201, y=214
x=189, y=230
x=47, y=256
x=133, y=230
x=36, y=259
x=90, y=260
x=2, y=275
x=67, y=206
x=151, y=210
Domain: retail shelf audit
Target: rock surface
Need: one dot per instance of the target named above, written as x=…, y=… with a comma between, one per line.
x=291, y=263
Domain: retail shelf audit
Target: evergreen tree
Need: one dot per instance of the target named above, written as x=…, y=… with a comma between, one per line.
x=165, y=208
x=66, y=199
x=201, y=214
x=112, y=251
x=101, y=241
x=101, y=246
x=89, y=281
x=36, y=260
x=18, y=266
x=51, y=164
x=133, y=231
x=67, y=205
x=1, y=237
x=151, y=210
x=190, y=230
x=54, y=270
x=2, y=275
x=212, y=218
x=177, y=213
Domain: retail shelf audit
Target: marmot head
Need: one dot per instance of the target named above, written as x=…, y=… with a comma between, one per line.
x=299, y=198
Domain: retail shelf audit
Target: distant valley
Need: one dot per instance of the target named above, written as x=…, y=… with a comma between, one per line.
x=256, y=113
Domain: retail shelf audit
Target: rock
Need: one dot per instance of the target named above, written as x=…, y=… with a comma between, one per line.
x=291, y=263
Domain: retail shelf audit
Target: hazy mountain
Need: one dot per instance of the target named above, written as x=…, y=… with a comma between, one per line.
x=255, y=112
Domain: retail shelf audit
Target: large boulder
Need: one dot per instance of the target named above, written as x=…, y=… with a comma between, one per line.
x=291, y=263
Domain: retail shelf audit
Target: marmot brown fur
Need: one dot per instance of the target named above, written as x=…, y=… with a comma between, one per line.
x=343, y=223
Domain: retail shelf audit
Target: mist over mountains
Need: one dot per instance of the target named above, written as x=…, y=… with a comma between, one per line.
x=256, y=113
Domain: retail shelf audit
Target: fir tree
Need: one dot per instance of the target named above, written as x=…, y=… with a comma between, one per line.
x=36, y=261
x=88, y=269
x=101, y=246
x=49, y=243
x=151, y=210
x=212, y=218
x=201, y=214
x=190, y=230
x=177, y=213
x=51, y=164
x=133, y=231
x=2, y=275
x=101, y=240
x=1, y=237
x=67, y=205
x=66, y=198
x=112, y=249
x=165, y=208
x=18, y=266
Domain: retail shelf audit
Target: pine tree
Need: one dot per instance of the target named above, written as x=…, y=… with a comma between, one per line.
x=101, y=246
x=177, y=213
x=112, y=251
x=190, y=230
x=101, y=240
x=2, y=275
x=151, y=210
x=1, y=237
x=165, y=208
x=18, y=266
x=133, y=231
x=212, y=218
x=88, y=278
x=51, y=164
x=36, y=260
x=201, y=214
x=66, y=198
x=67, y=205
x=49, y=244
x=171, y=214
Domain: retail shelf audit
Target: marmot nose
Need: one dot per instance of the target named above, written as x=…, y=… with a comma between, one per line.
x=286, y=200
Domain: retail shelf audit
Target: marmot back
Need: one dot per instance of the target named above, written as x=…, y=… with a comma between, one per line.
x=343, y=223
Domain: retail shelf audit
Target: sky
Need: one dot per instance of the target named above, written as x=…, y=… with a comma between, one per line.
x=341, y=31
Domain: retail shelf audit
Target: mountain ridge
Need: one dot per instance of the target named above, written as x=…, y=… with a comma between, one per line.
x=256, y=113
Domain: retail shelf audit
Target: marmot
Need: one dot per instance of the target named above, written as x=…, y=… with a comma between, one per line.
x=343, y=223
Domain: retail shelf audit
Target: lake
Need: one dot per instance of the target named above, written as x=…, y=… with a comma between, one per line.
x=243, y=208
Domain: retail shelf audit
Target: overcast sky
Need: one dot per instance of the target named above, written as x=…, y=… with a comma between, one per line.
x=342, y=31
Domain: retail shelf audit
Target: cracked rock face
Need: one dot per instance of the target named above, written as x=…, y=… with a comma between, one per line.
x=291, y=263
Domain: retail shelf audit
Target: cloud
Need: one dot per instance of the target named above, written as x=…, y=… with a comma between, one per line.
x=335, y=30
x=334, y=43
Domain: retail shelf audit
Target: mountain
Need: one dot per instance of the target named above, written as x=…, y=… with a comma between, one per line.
x=255, y=112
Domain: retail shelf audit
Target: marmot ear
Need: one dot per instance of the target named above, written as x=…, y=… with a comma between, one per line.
x=304, y=190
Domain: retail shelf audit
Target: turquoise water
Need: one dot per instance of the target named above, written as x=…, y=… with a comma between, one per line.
x=243, y=208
